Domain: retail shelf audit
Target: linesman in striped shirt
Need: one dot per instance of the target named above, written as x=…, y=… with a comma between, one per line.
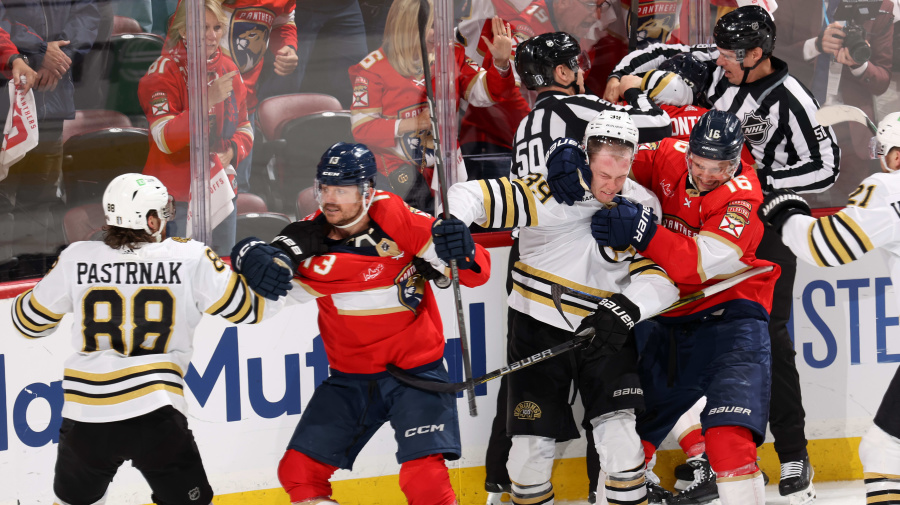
x=136, y=298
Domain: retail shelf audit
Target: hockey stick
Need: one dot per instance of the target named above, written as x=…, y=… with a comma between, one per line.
x=455, y=387
x=424, y=9
x=833, y=114
x=557, y=290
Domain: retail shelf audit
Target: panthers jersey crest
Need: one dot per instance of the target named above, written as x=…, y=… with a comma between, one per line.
x=250, y=30
x=656, y=20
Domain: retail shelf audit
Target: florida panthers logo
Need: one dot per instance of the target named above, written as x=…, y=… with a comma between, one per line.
x=249, y=36
x=656, y=19
x=410, y=288
x=756, y=128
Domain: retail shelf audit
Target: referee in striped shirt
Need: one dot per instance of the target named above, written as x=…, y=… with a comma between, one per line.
x=792, y=150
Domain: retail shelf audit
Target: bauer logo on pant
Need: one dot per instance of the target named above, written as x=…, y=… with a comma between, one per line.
x=528, y=411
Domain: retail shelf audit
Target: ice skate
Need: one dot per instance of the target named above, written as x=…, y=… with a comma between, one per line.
x=796, y=482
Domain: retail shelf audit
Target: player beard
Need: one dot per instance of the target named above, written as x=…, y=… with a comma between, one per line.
x=336, y=215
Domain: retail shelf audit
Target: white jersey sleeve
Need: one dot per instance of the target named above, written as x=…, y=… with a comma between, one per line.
x=870, y=220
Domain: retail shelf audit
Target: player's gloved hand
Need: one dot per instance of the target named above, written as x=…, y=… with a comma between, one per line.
x=430, y=273
x=611, y=324
x=268, y=270
x=452, y=241
x=628, y=223
x=301, y=240
x=779, y=205
x=568, y=171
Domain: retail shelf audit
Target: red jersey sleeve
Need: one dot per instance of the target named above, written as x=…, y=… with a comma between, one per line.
x=284, y=31
x=243, y=137
x=370, y=127
x=160, y=93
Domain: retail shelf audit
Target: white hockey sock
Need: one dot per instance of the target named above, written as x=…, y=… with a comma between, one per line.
x=626, y=487
x=880, y=456
x=742, y=490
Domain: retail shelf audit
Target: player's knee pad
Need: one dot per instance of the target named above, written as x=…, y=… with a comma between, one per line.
x=879, y=452
x=530, y=465
x=426, y=481
x=305, y=479
x=731, y=451
x=617, y=442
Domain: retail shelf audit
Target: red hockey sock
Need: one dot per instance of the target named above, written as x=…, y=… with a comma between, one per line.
x=731, y=450
x=693, y=443
x=649, y=451
x=425, y=481
x=303, y=477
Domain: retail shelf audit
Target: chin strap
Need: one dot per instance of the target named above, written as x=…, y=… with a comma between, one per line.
x=747, y=70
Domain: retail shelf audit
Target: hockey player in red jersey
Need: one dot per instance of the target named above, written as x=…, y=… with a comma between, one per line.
x=389, y=109
x=719, y=344
x=163, y=93
x=364, y=257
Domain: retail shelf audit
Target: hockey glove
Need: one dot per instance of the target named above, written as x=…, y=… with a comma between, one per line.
x=301, y=240
x=452, y=241
x=628, y=223
x=429, y=273
x=568, y=172
x=779, y=205
x=611, y=324
x=268, y=270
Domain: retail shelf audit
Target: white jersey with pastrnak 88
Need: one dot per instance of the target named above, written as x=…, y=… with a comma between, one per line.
x=134, y=317
x=870, y=220
x=556, y=247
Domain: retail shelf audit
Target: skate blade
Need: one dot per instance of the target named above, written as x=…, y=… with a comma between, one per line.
x=681, y=485
x=804, y=497
x=497, y=498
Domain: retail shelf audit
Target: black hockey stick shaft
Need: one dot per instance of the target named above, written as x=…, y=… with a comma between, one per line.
x=424, y=10
x=454, y=387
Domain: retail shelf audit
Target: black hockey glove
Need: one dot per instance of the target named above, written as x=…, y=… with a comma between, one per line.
x=268, y=270
x=568, y=172
x=779, y=205
x=430, y=273
x=301, y=240
x=628, y=223
x=453, y=241
x=611, y=324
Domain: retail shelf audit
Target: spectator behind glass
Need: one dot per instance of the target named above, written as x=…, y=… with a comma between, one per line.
x=486, y=134
x=163, y=93
x=337, y=32
x=389, y=109
x=251, y=27
x=807, y=47
x=54, y=36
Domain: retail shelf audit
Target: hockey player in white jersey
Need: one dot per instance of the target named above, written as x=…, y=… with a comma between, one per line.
x=556, y=247
x=136, y=298
x=870, y=220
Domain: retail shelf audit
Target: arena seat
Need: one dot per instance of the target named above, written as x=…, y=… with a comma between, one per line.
x=91, y=160
x=275, y=112
x=264, y=225
x=84, y=222
x=306, y=202
x=248, y=202
x=90, y=120
x=124, y=24
x=130, y=55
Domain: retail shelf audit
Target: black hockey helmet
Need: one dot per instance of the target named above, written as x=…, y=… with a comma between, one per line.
x=717, y=136
x=538, y=57
x=745, y=28
x=346, y=164
x=694, y=72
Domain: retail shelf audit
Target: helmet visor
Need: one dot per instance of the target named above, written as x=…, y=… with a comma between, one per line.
x=326, y=193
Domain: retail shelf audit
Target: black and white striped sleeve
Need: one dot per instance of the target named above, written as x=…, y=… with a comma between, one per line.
x=641, y=60
x=801, y=154
x=500, y=203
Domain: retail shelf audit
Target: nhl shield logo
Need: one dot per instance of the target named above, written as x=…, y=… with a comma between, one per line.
x=756, y=128
x=194, y=494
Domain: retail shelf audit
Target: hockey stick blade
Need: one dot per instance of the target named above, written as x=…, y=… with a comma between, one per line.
x=557, y=291
x=834, y=114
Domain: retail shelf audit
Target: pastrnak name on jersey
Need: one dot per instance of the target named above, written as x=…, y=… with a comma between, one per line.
x=129, y=272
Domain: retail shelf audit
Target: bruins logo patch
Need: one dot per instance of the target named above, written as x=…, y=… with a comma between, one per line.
x=528, y=411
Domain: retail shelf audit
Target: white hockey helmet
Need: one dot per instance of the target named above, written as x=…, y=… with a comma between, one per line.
x=130, y=197
x=612, y=124
x=888, y=136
